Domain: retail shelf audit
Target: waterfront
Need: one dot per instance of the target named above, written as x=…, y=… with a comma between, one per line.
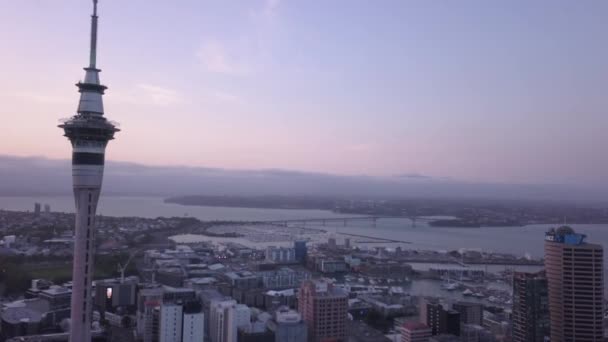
x=515, y=240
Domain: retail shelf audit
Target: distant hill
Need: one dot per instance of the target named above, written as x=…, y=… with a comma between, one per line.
x=36, y=176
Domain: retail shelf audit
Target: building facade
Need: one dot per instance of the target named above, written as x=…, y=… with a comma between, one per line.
x=281, y=254
x=415, y=332
x=301, y=251
x=530, y=307
x=438, y=318
x=575, y=278
x=225, y=319
x=170, y=323
x=470, y=313
x=324, y=309
x=288, y=326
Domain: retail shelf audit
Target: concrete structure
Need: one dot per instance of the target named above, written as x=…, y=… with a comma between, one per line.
x=111, y=294
x=415, y=332
x=575, y=277
x=225, y=319
x=530, y=307
x=181, y=322
x=445, y=338
x=288, y=326
x=332, y=266
x=170, y=322
x=147, y=302
x=435, y=316
x=475, y=333
x=89, y=133
x=470, y=313
x=193, y=323
x=255, y=332
x=280, y=254
x=218, y=326
x=324, y=308
x=43, y=311
x=301, y=251
x=283, y=278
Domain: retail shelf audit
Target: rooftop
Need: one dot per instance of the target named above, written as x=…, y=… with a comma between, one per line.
x=566, y=235
x=56, y=290
x=413, y=325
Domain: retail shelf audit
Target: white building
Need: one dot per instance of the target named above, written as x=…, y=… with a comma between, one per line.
x=281, y=254
x=238, y=316
x=171, y=316
x=181, y=322
x=225, y=317
x=288, y=326
x=193, y=328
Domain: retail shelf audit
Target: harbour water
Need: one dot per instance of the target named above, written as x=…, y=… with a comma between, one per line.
x=515, y=240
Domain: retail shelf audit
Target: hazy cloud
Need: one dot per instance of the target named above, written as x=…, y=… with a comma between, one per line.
x=223, y=96
x=43, y=98
x=268, y=10
x=159, y=95
x=214, y=57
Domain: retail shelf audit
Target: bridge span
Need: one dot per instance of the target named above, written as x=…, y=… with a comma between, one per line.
x=346, y=220
x=323, y=221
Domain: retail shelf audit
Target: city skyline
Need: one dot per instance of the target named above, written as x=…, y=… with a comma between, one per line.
x=475, y=92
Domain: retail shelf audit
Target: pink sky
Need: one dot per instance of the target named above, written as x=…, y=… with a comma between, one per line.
x=473, y=91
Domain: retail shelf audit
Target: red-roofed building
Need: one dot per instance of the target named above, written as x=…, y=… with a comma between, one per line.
x=415, y=332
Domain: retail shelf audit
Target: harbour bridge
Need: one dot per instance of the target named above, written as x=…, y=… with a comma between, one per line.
x=345, y=220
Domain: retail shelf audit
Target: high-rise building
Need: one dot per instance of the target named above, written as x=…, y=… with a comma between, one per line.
x=288, y=326
x=181, y=322
x=89, y=133
x=37, y=208
x=470, y=313
x=225, y=319
x=193, y=322
x=112, y=293
x=170, y=322
x=415, y=332
x=438, y=318
x=530, y=307
x=148, y=301
x=575, y=278
x=47, y=208
x=324, y=308
x=300, y=250
x=218, y=316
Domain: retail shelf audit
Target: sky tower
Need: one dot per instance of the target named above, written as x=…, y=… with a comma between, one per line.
x=89, y=133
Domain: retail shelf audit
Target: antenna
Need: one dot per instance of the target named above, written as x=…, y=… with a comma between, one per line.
x=93, y=53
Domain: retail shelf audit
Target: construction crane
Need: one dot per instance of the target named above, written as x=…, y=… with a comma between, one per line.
x=122, y=268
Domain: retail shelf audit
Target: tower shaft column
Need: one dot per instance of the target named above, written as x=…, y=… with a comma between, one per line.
x=83, y=265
